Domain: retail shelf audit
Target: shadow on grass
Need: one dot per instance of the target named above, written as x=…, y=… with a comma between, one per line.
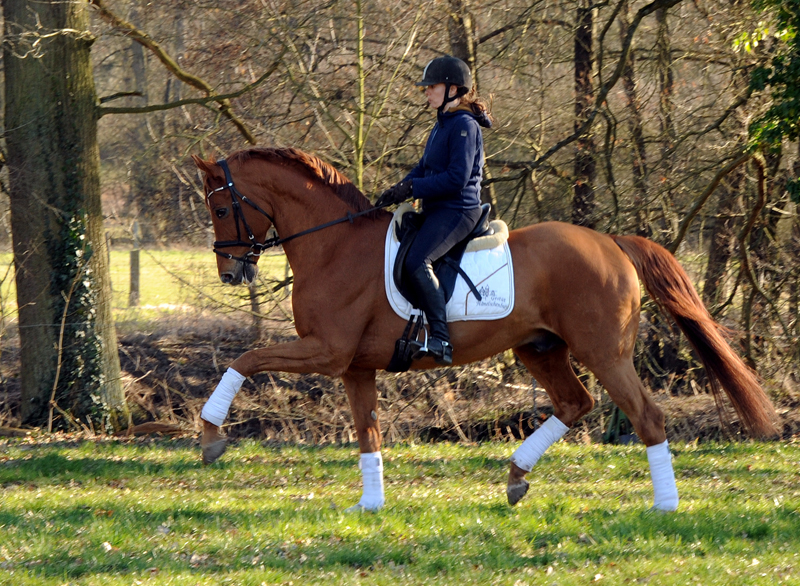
x=57, y=468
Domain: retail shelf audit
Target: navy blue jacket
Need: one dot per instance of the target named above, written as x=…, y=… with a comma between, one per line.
x=450, y=171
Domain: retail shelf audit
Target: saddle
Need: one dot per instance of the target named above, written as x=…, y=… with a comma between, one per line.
x=447, y=268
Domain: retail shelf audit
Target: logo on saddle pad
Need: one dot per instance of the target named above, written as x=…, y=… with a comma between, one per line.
x=487, y=263
x=492, y=298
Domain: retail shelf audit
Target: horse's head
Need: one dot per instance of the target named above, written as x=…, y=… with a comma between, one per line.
x=238, y=227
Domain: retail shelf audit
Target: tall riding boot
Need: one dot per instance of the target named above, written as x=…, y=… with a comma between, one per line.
x=430, y=297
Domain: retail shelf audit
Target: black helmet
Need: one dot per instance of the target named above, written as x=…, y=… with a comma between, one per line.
x=448, y=70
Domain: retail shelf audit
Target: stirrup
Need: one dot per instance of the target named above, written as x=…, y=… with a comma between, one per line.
x=442, y=355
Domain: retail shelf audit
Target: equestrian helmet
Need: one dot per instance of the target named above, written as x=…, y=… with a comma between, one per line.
x=448, y=70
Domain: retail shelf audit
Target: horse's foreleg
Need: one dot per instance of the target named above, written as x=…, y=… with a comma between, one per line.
x=213, y=442
x=363, y=398
x=570, y=401
x=304, y=355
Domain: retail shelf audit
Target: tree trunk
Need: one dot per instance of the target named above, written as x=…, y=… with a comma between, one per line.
x=666, y=90
x=794, y=285
x=463, y=44
x=794, y=280
x=765, y=258
x=583, y=201
x=462, y=35
x=666, y=82
x=723, y=232
x=67, y=336
x=723, y=237
x=636, y=126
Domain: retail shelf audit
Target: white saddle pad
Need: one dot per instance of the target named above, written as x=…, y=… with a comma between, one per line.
x=490, y=270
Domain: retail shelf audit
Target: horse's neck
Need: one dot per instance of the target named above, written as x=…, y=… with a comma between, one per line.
x=303, y=205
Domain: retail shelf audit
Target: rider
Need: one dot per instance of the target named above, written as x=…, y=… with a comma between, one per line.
x=448, y=181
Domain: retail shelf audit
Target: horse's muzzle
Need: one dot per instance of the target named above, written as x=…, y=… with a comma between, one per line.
x=241, y=273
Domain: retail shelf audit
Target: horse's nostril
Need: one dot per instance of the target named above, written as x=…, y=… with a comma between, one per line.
x=227, y=278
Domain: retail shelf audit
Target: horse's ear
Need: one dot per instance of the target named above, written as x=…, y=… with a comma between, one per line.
x=204, y=166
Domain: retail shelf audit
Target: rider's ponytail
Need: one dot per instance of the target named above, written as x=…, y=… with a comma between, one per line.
x=479, y=106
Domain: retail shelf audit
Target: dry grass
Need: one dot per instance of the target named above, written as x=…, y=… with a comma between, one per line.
x=173, y=357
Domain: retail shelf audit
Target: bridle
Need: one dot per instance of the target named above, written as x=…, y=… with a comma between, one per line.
x=258, y=248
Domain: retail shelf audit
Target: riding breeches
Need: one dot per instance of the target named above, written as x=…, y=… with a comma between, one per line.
x=441, y=230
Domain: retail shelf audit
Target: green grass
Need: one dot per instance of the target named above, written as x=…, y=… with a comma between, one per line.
x=171, y=281
x=112, y=513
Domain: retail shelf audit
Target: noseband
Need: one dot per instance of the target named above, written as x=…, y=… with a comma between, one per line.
x=258, y=248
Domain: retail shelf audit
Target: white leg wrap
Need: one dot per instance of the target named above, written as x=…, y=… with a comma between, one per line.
x=665, y=491
x=373, y=497
x=216, y=408
x=535, y=445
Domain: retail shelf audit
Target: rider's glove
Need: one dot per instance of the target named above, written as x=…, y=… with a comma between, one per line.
x=395, y=194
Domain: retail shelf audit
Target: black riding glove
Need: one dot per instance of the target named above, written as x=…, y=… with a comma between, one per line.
x=395, y=194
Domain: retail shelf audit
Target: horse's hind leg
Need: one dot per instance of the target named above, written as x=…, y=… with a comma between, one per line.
x=626, y=390
x=570, y=399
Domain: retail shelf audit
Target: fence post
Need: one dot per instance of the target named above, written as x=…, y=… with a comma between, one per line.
x=255, y=308
x=133, y=296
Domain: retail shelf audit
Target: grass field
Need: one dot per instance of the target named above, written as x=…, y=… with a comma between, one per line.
x=170, y=281
x=139, y=512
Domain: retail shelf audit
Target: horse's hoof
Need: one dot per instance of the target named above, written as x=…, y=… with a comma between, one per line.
x=659, y=511
x=516, y=491
x=359, y=508
x=212, y=452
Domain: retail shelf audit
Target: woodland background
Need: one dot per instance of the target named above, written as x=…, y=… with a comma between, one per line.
x=624, y=116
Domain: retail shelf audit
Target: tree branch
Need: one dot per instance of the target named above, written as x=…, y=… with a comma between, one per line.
x=119, y=95
x=700, y=201
x=186, y=77
x=739, y=101
x=521, y=22
x=103, y=110
x=607, y=86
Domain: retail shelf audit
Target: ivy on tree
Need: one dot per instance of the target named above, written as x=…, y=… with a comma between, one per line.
x=782, y=77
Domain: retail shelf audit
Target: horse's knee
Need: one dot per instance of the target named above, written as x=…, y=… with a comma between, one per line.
x=335, y=360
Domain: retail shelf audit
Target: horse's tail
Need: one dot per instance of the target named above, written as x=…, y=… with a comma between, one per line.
x=669, y=285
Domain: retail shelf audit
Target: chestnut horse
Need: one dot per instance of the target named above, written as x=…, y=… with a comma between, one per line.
x=576, y=292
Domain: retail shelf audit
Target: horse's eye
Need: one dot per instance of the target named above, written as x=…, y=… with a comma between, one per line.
x=221, y=213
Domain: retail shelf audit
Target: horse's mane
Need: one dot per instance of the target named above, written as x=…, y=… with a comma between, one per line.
x=315, y=168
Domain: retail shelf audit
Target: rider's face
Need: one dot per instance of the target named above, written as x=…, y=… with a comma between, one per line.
x=435, y=94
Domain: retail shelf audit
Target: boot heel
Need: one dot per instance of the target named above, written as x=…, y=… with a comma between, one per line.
x=446, y=358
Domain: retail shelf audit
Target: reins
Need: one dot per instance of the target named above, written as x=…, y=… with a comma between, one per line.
x=258, y=248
